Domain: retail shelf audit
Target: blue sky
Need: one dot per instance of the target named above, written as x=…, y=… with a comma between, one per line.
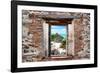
x=58, y=29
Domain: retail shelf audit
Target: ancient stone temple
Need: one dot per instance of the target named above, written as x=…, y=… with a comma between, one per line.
x=36, y=34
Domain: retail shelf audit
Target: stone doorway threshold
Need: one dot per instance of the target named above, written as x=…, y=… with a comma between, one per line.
x=60, y=58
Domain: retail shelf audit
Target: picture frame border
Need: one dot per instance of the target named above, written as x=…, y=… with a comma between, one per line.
x=14, y=5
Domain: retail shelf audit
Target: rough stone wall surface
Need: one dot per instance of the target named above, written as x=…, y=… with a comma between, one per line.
x=33, y=33
x=37, y=30
x=32, y=37
x=82, y=35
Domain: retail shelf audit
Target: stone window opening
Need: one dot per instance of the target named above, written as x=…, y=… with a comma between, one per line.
x=48, y=22
x=36, y=34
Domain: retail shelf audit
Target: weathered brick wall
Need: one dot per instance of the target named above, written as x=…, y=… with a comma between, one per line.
x=82, y=35
x=33, y=33
x=36, y=28
x=77, y=35
x=32, y=37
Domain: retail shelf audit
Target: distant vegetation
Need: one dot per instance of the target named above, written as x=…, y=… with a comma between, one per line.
x=59, y=39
